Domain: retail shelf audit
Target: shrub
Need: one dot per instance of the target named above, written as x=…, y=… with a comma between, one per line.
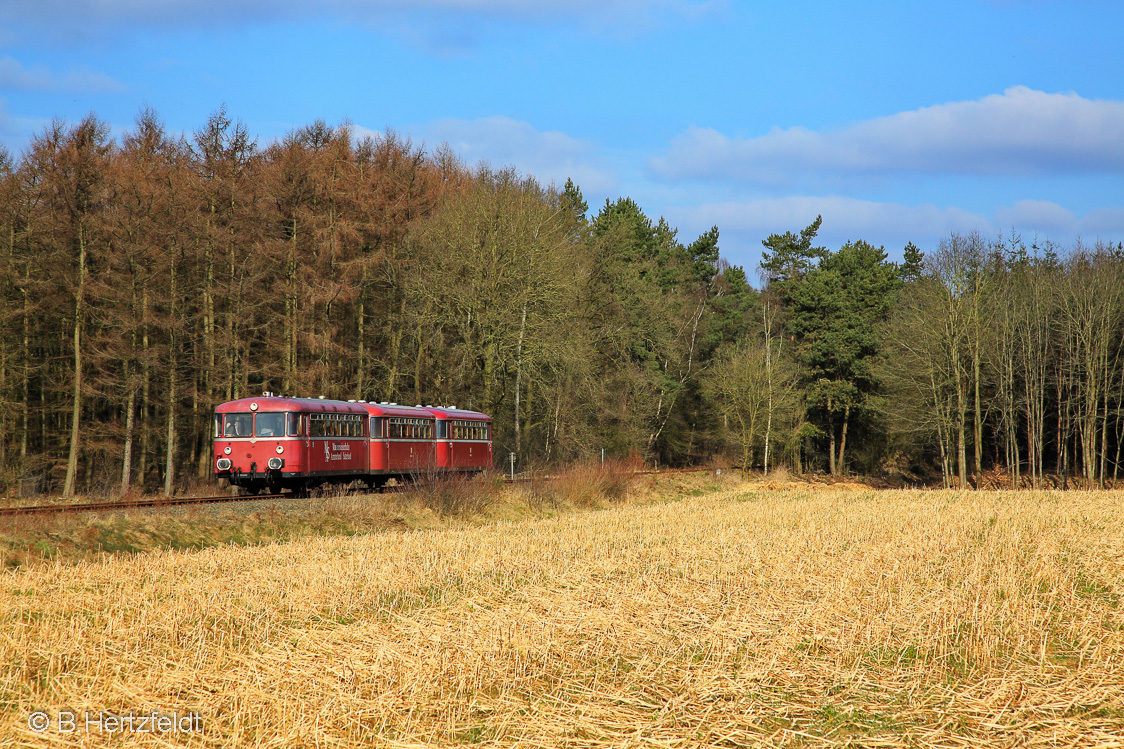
x=455, y=495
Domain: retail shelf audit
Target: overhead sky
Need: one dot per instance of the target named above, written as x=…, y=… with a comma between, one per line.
x=897, y=121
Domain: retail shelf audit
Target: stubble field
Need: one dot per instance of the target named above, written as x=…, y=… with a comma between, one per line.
x=787, y=617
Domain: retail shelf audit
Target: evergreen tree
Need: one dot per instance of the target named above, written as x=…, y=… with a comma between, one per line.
x=913, y=261
x=702, y=254
x=574, y=202
x=836, y=310
x=789, y=257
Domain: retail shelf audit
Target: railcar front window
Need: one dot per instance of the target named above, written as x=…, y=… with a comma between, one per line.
x=270, y=425
x=238, y=425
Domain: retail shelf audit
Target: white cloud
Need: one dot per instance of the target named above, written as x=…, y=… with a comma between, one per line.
x=550, y=156
x=745, y=224
x=1018, y=132
x=1038, y=215
x=14, y=76
x=844, y=218
x=1104, y=222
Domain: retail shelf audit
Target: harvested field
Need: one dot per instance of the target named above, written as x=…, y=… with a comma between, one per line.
x=744, y=617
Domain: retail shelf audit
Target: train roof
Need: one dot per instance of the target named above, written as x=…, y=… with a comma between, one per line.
x=425, y=412
x=274, y=403
x=448, y=412
x=268, y=403
x=393, y=409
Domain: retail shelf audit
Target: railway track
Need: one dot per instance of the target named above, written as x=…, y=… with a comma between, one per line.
x=153, y=502
x=158, y=502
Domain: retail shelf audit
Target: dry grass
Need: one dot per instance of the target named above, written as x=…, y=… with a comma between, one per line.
x=456, y=495
x=433, y=502
x=584, y=485
x=740, y=618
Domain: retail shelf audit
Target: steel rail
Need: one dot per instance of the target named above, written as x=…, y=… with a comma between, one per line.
x=132, y=504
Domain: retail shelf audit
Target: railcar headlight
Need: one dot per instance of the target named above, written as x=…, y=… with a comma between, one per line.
x=275, y=464
x=280, y=449
x=226, y=450
x=223, y=464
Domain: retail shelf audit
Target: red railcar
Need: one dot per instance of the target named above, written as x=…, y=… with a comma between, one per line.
x=464, y=439
x=289, y=442
x=294, y=443
x=401, y=442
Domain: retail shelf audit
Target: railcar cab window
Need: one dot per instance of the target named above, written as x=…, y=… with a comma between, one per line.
x=376, y=427
x=294, y=424
x=269, y=425
x=234, y=425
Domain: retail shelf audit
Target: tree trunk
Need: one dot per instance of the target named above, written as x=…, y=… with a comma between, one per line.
x=127, y=458
x=977, y=422
x=25, y=408
x=395, y=352
x=961, y=436
x=76, y=406
x=291, y=305
x=831, y=448
x=170, y=453
x=361, y=348
x=519, y=382
x=142, y=463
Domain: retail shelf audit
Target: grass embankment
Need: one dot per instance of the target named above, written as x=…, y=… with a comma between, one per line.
x=430, y=504
x=786, y=617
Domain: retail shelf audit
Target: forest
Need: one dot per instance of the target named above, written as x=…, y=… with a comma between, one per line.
x=148, y=278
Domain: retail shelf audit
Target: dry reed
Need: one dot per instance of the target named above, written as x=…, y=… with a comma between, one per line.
x=786, y=618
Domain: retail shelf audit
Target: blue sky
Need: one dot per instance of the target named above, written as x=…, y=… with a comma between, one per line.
x=897, y=121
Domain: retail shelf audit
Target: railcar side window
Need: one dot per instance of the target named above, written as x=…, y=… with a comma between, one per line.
x=270, y=425
x=405, y=429
x=464, y=430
